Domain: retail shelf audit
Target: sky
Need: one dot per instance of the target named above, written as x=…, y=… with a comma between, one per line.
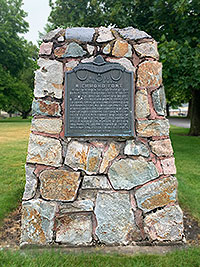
x=38, y=12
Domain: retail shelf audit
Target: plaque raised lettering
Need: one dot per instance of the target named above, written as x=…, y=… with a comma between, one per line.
x=99, y=100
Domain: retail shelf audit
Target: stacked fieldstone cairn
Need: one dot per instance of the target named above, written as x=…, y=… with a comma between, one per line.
x=106, y=190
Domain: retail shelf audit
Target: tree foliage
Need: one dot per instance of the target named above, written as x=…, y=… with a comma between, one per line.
x=17, y=59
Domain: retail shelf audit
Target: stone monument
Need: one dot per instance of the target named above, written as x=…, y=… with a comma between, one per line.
x=100, y=166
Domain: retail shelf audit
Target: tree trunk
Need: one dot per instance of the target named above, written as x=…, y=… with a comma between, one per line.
x=189, y=113
x=25, y=114
x=10, y=115
x=195, y=115
x=167, y=109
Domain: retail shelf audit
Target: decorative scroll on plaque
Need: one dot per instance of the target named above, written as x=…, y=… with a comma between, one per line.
x=99, y=100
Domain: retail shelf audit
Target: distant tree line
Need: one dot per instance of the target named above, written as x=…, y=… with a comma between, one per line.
x=17, y=60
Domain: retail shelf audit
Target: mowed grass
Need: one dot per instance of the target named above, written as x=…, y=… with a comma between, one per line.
x=181, y=258
x=14, y=135
x=187, y=155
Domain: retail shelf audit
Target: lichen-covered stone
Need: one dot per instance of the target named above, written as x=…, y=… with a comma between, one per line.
x=142, y=109
x=80, y=33
x=59, y=185
x=111, y=153
x=74, y=229
x=51, y=126
x=60, y=51
x=136, y=148
x=159, y=101
x=46, y=49
x=83, y=156
x=128, y=173
x=157, y=194
x=165, y=224
x=168, y=166
x=37, y=222
x=45, y=108
x=74, y=50
x=126, y=63
x=105, y=35
x=49, y=78
x=122, y=49
x=115, y=218
x=44, y=150
x=52, y=34
x=148, y=128
x=132, y=33
x=149, y=74
x=31, y=183
x=107, y=49
x=148, y=49
x=71, y=65
x=95, y=182
x=76, y=206
x=162, y=148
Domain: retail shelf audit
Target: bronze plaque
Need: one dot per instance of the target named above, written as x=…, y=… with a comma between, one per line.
x=99, y=100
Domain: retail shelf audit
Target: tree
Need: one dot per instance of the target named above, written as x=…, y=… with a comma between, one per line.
x=173, y=23
x=17, y=59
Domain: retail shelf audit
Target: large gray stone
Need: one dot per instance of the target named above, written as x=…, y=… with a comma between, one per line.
x=74, y=50
x=147, y=49
x=49, y=78
x=133, y=34
x=37, y=222
x=136, y=148
x=142, y=109
x=159, y=101
x=165, y=224
x=80, y=33
x=95, y=182
x=157, y=194
x=148, y=128
x=31, y=183
x=44, y=150
x=128, y=173
x=115, y=218
x=52, y=34
x=74, y=229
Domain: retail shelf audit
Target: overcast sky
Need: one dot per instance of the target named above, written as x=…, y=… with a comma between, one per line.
x=38, y=12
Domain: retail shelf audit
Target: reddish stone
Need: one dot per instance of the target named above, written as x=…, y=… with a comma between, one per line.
x=168, y=166
x=46, y=48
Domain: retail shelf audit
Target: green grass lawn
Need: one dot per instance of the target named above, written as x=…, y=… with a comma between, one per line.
x=181, y=258
x=187, y=155
x=13, y=147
